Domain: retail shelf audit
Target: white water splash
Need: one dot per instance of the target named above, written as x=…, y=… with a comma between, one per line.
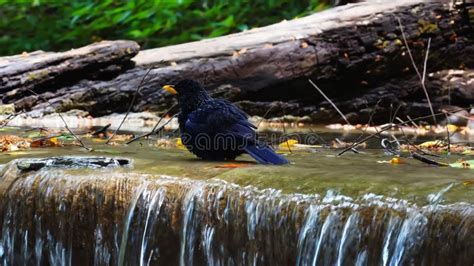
x=217, y=223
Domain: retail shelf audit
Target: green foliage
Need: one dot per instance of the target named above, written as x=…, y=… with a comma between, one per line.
x=62, y=24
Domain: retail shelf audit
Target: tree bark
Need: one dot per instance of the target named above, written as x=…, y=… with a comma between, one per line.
x=46, y=71
x=355, y=53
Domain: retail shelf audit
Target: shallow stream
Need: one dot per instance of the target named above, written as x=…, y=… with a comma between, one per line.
x=167, y=207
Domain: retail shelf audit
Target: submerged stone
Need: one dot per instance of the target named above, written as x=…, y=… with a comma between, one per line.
x=71, y=162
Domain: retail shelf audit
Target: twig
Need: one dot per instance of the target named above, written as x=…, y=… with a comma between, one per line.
x=395, y=113
x=401, y=121
x=372, y=113
x=101, y=130
x=64, y=121
x=284, y=132
x=425, y=63
x=47, y=137
x=422, y=78
x=329, y=100
x=354, y=150
x=406, y=139
x=172, y=132
x=424, y=159
x=411, y=121
x=129, y=107
x=371, y=118
x=265, y=115
x=455, y=114
x=319, y=137
x=383, y=129
x=413, y=145
x=408, y=48
x=163, y=116
x=154, y=131
x=423, y=81
x=447, y=132
x=7, y=120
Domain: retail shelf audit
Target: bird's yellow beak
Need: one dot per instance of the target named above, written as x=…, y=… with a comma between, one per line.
x=170, y=89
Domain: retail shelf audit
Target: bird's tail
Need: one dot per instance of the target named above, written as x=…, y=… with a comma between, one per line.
x=265, y=155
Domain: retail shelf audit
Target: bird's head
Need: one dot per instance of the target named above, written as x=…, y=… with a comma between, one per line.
x=185, y=86
x=190, y=93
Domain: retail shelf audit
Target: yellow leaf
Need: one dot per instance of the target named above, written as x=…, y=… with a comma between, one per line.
x=452, y=128
x=289, y=143
x=429, y=144
x=179, y=144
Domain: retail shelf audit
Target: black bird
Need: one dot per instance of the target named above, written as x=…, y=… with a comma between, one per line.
x=215, y=129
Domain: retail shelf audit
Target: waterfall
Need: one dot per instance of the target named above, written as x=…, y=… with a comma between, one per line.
x=56, y=217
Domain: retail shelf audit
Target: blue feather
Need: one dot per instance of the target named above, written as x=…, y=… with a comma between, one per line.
x=265, y=155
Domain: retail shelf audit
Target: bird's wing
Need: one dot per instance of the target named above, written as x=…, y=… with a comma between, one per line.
x=220, y=116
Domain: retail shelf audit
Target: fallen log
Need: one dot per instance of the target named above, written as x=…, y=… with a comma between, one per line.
x=355, y=53
x=47, y=71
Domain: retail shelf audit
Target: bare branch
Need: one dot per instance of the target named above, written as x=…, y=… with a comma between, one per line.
x=62, y=118
x=7, y=120
x=383, y=129
x=265, y=115
x=422, y=78
x=426, y=61
x=329, y=100
x=155, y=130
x=129, y=107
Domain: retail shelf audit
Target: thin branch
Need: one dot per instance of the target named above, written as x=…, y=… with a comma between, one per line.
x=7, y=120
x=411, y=121
x=163, y=116
x=383, y=129
x=408, y=49
x=425, y=63
x=265, y=115
x=426, y=160
x=342, y=143
x=129, y=107
x=422, y=78
x=395, y=113
x=154, y=131
x=423, y=81
x=101, y=130
x=447, y=132
x=413, y=145
x=329, y=100
x=372, y=113
x=62, y=118
x=284, y=132
x=456, y=114
x=319, y=137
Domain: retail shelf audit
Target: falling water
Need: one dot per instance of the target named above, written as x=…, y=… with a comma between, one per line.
x=53, y=217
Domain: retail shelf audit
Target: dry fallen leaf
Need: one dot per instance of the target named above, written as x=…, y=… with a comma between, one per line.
x=51, y=142
x=13, y=143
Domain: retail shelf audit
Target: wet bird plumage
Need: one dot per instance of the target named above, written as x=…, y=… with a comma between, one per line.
x=215, y=129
